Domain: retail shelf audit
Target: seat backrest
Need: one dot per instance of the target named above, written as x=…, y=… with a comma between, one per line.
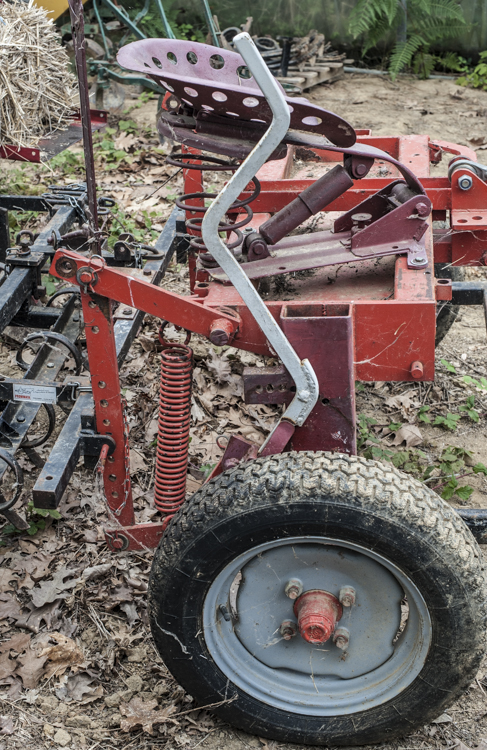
x=218, y=81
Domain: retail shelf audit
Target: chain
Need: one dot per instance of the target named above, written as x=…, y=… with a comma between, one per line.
x=126, y=457
x=100, y=467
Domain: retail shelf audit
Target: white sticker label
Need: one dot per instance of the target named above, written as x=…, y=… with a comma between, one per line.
x=36, y=394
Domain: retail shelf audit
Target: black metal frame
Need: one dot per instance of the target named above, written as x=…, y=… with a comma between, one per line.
x=78, y=435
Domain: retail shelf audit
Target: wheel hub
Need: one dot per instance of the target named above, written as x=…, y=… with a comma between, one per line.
x=318, y=613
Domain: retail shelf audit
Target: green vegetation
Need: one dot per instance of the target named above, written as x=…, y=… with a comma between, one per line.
x=477, y=77
x=36, y=518
x=408, y=29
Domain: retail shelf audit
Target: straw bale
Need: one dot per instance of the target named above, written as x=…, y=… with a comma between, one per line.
x=37, y=88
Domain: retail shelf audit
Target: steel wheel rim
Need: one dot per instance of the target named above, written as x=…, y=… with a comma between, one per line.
x=293, y=690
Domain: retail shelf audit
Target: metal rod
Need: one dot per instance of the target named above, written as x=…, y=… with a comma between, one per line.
x=102, y=29
x=209, y=21
x=78, y=30
x=119, y=13
x=167, y=27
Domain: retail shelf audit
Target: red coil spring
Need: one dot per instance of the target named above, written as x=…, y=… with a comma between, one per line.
x=174, y=422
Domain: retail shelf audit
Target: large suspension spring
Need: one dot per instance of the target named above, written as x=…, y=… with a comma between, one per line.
x=189, y=203
x=174, y=422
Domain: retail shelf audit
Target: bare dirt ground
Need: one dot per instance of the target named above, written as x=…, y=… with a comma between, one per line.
x=77, y=665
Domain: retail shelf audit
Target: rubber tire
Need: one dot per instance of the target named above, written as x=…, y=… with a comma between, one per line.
x=342, y=497
x=447, y=313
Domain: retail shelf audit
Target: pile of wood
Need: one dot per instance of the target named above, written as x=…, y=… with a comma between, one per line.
x=312, y=62
x=37, y=88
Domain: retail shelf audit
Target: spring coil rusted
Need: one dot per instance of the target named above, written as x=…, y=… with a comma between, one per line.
x=174, y=422
x=211, y=163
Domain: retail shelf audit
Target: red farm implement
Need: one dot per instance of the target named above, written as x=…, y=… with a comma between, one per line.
x=306, y=594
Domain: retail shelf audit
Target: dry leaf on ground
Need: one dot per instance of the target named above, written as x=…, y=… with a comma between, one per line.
x=32, y=619
x=6, y=578
x=219, y=366
x=6, y=725
x=79, y=688
x=143, y=713
x=56, y=588
x=31, y=667
x=410, y=434
x=9, y=607
x=63, y=655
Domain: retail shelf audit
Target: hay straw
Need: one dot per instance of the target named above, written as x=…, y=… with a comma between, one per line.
x=37, y=87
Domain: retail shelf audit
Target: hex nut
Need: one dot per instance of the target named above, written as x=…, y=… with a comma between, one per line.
x=341, y=638
x=465, y=182
x=293, y=588
x=346, y=597
x=288, y=629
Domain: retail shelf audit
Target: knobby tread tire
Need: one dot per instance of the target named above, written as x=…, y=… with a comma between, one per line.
x=365, y=501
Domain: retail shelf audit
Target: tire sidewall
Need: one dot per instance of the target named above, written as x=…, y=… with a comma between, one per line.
x=454, y=650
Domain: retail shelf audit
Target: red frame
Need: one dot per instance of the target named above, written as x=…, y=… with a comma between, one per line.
x=391, y=328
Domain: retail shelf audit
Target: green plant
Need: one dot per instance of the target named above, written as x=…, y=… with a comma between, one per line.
x=68, y=162
x=477, y=78
x=36, y=518
x=417, y=24
x=364, y=423
x=453, y=466
x=450, y=422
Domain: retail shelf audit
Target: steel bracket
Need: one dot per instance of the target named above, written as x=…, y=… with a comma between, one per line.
x=91, y=443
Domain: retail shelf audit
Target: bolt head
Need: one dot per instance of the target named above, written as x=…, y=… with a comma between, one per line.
x=347, y=596
x=219, y=337
x=117, y=543
x=341, y=638
x=288, y=629
x=422, y=209
x=293, y=588
x=417, y=370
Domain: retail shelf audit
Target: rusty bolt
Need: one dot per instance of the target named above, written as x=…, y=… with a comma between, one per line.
x=85, y=277
x=219, y=337
x=346, y=597
x=293, y=588
x=361, y=220
x=417, y=370
x=220, y=332
x=341, y=638
x=117, y=543
x=288, y=629
x=422, y=209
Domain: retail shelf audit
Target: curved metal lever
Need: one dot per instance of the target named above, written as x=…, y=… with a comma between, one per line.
x=301, y=371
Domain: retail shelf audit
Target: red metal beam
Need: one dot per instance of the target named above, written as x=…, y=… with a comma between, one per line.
x=123, y=286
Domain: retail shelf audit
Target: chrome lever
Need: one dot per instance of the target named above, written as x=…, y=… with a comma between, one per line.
x=301, y=371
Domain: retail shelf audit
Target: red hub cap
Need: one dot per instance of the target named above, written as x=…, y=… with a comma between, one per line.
x=318, y=613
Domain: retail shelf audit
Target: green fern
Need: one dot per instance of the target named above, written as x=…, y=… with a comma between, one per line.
x=428, y=22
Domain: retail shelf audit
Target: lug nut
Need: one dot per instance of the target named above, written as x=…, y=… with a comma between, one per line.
x=341, y=638
x=294, y=588
x=346, y=597
x=288, y=629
